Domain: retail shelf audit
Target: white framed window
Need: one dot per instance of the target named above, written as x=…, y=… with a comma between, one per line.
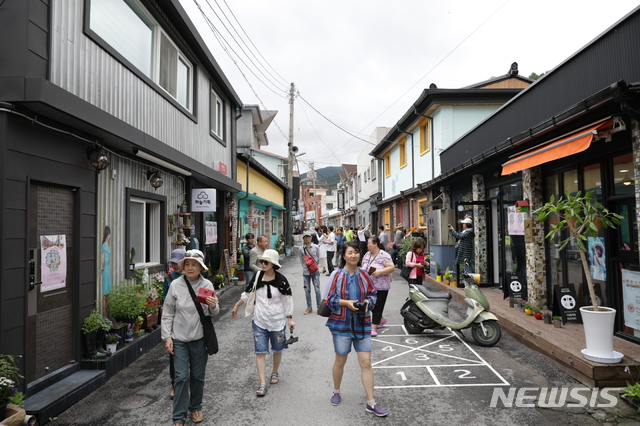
x=130, y=30
x=144, y=231
x=373, y=169
x=216, y=120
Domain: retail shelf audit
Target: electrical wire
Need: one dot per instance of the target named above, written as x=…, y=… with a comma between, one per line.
x=251, y=41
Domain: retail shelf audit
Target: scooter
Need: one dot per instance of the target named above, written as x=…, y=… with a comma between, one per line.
x=429, y=309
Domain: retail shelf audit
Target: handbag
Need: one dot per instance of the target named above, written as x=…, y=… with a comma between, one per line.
x=406, y=270
x=210, y=338
x=311, y=263
x=323, y=309
x=251, y=303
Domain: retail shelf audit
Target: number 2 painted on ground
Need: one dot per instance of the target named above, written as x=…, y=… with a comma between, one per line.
x=465, y=374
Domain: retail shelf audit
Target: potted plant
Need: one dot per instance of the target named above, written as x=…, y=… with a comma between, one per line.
x=183, y=206
x=218, y=279
x=93, y=328
x=111, y=340
x=9, y=376
x=512, y=302
x=447, y=276
x=583, y=216
x=557, y=321
x=240, y=271
x=439, y=272
x=537, y=314
x=119, y=328
x=137, y=328
x=521, y=303
x=631, y=392
x=546, y=317
x=528, y=309
x=126, y=303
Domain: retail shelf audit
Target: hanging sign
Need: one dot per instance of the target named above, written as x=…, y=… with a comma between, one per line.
x=54, y=262
x=567, y=303
x=631, y=298
x=515, y=220
x=203, y=200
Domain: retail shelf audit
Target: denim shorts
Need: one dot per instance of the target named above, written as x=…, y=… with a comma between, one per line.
x=262, y=337
x=342, y=344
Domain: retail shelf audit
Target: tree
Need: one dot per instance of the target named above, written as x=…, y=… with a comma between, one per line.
x=534, y=76
x=580, y=215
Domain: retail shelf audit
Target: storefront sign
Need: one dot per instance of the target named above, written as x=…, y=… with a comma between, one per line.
x=566, y=303
x=515, y=224
x=203, y=200
x=54, y=262
x=517, y=288
x=211, y=229
x=631, y=298
x=219, y=166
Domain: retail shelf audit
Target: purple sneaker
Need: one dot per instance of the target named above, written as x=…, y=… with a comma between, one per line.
x=335, y=399
x=382, y=323
x=376, y=409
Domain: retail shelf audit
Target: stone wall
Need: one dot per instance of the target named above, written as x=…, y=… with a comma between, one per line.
x=536, y=268
x=480, y=227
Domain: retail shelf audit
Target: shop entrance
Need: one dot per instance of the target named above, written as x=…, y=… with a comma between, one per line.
x=49, y=306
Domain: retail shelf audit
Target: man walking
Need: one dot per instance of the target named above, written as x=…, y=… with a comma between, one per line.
x=383, y=237
x=261, y=245
x=331, y=249
x=308, y=248
x=348, y=233
x=464, y=245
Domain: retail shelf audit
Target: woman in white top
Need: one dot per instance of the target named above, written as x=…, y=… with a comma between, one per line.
x=183, y=336
x=323, y=236
x=272, y=312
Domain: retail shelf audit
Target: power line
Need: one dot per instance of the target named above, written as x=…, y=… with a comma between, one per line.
x=285, y=81
x=277, y=85
x=330, y=121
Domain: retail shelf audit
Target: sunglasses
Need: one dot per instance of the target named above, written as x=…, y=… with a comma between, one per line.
x=193, y=255
x=265, y=262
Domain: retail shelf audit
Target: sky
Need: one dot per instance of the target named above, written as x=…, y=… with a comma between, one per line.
x=361, y=64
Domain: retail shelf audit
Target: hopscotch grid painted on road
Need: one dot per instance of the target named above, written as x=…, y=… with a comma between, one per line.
x=480, y=362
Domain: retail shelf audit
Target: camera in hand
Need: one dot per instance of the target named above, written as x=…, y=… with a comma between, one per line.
x=362, y=309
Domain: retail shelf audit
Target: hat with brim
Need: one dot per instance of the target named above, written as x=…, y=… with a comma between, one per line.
x=466, y=220
x=193, y=255
x=271, y=256
x=306, y=234
x=177, y=255
x=399, y=225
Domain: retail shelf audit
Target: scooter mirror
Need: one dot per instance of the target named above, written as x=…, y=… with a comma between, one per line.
x=474, y=279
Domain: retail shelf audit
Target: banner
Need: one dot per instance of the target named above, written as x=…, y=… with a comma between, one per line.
x=631, y=298
x=211, y=229
x=597, y=258
x=515, y=221
x=53, y=262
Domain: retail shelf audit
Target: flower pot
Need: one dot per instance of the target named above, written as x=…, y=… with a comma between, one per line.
x=547, y=320
x=557, y=323
x=183, y=208
x=511, y=304
x=598, y=333
x=538, y=315
x=528, y=312
x=150, y=320
x=634, y=402
x=439, y=278
x=447, y=282
x=454, y=283
x=112, y=347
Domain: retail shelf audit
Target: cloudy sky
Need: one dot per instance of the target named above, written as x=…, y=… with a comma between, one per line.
x=362, y=63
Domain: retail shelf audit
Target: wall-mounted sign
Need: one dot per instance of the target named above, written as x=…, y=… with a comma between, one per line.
x=219, y=166
x=340, y=197
x=203, y=200
x=631, y=298
x=517, y=288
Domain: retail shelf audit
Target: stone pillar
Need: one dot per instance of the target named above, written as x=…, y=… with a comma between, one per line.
x=267, y=222
x=532, y=181
x=480, y=227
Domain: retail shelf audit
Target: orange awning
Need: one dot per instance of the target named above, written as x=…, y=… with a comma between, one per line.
x=569, y=145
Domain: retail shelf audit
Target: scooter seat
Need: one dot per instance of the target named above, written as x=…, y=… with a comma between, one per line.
x=434, y=294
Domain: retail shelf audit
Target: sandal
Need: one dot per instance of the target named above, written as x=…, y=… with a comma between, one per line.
x=197, y=418
x=274, y=379
x=262, y=390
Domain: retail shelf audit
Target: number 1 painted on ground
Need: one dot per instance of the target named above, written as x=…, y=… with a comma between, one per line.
x=402, y=375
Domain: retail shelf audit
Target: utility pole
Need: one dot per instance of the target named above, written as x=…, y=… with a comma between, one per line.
x=292, y=151
x=315, y=195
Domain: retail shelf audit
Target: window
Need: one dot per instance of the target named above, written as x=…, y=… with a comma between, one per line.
x=425, y=138
x=274, y=225
x=144, y=213
x=387, y=216
x=359, y=183
x=216, y=120
x=387, y=165
x=373, y=169
x=133, y=34
x=403, y=153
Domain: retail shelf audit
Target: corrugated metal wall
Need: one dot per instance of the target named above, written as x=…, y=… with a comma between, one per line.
x=85, y=69
x=112, y=202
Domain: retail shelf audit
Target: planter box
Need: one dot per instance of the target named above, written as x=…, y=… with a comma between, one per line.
x=122, y=332
x=150, y=320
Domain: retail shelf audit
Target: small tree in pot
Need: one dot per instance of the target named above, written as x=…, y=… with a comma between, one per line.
x=581, y=216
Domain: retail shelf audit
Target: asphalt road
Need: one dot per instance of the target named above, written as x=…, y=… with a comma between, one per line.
x=438, y=378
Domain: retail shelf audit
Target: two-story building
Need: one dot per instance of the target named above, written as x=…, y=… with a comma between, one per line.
x=112, y=114
x=369, y=184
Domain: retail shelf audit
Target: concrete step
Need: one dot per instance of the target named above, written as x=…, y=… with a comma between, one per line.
x=63, y=394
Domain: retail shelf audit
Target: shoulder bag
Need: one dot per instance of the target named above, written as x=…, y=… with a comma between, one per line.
x=324, y=310
x=251, y=303
x=210, y=338
x=406, y=270
x=311, y=263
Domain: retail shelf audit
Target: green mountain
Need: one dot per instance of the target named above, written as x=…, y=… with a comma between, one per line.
x=328, y=174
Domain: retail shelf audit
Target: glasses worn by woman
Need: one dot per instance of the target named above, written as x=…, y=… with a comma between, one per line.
x=270, y=294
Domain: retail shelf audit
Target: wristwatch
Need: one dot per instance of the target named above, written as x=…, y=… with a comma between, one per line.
x=289, y=316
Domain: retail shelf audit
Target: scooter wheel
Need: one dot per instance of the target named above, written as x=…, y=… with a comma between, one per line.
x=492, y=335
x=412, y=327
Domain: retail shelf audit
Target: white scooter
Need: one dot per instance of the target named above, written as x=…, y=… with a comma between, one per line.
x=429, y=309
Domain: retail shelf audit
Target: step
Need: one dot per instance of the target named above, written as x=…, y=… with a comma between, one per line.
x=63, y=394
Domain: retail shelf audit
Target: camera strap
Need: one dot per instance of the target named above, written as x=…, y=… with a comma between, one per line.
x=353, y=328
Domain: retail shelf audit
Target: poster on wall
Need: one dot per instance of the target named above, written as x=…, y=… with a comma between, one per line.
x=211, y=229
x=53, y=262
x=515, y=221
x=203, y=200
x=595, y=246
x=631, y=298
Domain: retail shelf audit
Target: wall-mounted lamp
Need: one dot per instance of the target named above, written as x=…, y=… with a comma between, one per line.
x=98, y=158
x=154, y=178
